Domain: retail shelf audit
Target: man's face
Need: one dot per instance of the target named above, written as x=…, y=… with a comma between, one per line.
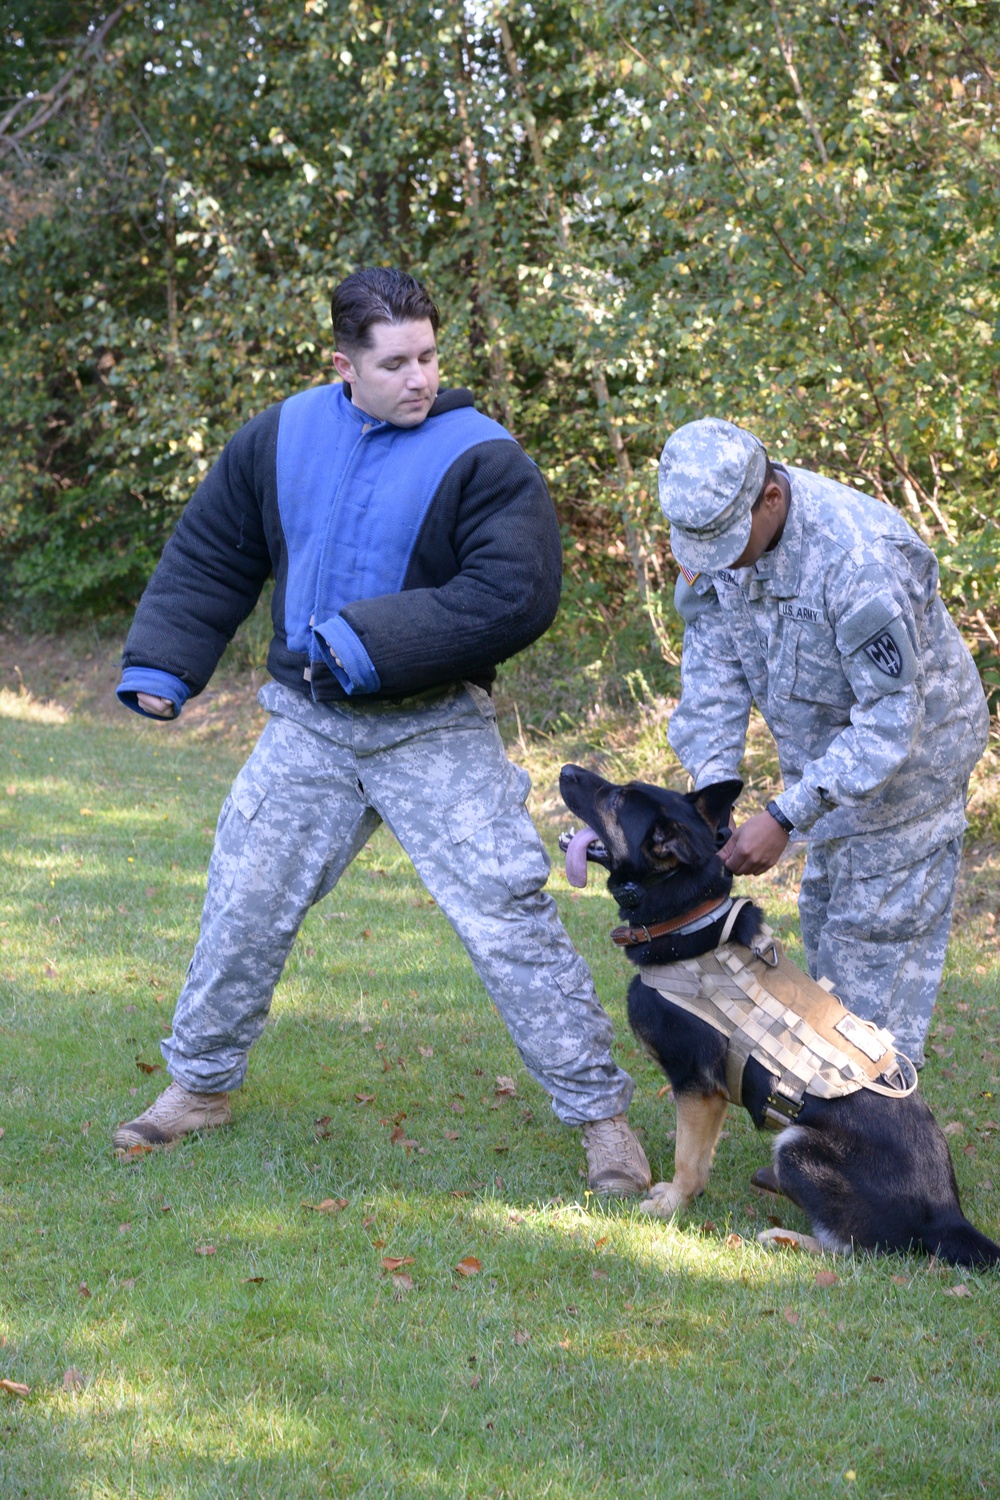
x=397, y=379
x=767, y=521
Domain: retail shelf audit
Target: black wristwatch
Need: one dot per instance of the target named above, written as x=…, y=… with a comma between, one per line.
x=779, y=817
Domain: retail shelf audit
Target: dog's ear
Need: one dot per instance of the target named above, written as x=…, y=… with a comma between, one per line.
x=669, y=844
x=715, y=803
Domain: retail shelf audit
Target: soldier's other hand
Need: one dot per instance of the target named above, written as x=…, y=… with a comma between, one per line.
x=755, y=846
x=160, y=708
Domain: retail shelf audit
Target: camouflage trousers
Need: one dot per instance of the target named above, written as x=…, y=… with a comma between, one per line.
x=876, y=914
x=320, y=780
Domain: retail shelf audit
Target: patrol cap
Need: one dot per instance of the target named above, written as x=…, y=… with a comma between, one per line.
x=711, y=472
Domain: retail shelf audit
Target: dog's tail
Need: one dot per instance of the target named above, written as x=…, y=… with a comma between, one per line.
x=961, y=1244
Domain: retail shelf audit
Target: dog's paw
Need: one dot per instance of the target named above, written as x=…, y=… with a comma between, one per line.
x=789, y=1239
x=664, y=1200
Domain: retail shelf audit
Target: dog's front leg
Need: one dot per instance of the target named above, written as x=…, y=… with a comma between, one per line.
x=699, y=1120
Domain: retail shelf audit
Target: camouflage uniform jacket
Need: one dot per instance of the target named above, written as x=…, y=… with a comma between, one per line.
x=839, y=636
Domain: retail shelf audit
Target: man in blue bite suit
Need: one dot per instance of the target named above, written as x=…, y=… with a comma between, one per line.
x=413, y=546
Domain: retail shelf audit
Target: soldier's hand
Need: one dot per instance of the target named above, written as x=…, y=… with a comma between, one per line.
x=160, y=708
x=755, y=846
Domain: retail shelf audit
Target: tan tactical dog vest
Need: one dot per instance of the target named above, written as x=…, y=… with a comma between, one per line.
x=769, y=1009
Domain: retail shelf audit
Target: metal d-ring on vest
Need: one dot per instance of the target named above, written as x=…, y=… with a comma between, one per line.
x=769, y=1009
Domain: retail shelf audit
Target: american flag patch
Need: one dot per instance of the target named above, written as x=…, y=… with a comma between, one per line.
x=689, y=576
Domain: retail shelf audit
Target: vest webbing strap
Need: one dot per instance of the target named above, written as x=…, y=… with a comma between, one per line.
x=793, y=1025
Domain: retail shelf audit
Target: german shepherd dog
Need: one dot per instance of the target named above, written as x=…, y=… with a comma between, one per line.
x=871, y=1171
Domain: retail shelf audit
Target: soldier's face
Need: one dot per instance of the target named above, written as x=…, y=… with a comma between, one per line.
x=767, y=521
x=396, y=380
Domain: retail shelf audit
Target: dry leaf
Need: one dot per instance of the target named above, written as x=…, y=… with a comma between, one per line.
x=73, y=1380
x=451, y=1135
x=954, y=1127
x=599, y=1275
x=426, y=1051
x=505, y=1087
x=403, y=1281
x=252, y=1280
x=204, y=1250
x=958, y=1291
x=367, y=1221
x=322, y=1129
x=522, y=1336
x=328, y=1206
x=826, y=1278
x=602, y=1241
x=790, y=1315
x=470, y=1266
x=15, y=1388
x=365, y=1098
x=901, y=1280
x=734, y=1240
x=84, y=1289
x=398, y=1134
x=661, y=1093
x=393, y=1262
x=148, y=1067
x=475, y=1382
x=459, y=1109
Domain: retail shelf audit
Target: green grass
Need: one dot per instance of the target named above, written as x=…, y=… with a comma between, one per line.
x=595, y=1352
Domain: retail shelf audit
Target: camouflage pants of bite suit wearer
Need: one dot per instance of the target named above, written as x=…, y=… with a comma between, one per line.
x=876, y=915
x=433, y=769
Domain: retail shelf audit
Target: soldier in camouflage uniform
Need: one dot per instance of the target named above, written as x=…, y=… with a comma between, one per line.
x=414, y=546
x=820, y=605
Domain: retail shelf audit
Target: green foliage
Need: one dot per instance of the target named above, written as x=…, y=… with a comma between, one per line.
x=631, y=214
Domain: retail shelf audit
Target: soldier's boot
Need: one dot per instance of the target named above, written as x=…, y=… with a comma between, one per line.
x=616, y=1163
x=175, y=1113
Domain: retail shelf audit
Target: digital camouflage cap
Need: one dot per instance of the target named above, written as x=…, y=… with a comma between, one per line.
x=711, y=472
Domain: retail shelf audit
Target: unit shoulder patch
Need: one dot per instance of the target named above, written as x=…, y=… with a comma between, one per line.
x=885, y=654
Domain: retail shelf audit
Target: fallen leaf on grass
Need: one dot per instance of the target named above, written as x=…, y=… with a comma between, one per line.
x=522, y=1336
x=451, y=1135
x=958, y=1291
x=599, y=1275
x=661, y=1093
x=204, y=1250
x=403, y=1282
x=734, y=1241
x=15, y=1388
x=328, y=1206
x=826, y=1278
x=901, y=1280
x=321, y=1128
x=475, y=1382
x=459, y=1109
x=505, y=1087
x=252, y=1280
x=145, y=1067
x=393, y=1262
x=73, y=1380
x=84, y=1289
x=426, y=1051
x=790, y=1315
x=954, y=1127
x=470, y=1266
x=365, y=1098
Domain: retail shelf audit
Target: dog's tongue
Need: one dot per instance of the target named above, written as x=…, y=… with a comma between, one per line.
x=576, y=856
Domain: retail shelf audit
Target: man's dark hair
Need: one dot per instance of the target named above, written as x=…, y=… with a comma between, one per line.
x=377, y=294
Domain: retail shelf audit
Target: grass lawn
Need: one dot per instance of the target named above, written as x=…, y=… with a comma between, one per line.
x=282, y=1308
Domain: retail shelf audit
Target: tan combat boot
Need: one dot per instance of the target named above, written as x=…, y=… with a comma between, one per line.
x=616, y=1163
x=175, y=1113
